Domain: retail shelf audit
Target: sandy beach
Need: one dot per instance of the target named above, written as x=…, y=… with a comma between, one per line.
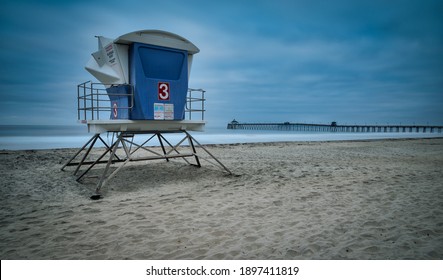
x=380, y=199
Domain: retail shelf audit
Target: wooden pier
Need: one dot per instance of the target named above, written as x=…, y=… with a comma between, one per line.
x=334, y=127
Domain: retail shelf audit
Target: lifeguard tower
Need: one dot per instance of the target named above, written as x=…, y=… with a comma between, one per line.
x=142, y=91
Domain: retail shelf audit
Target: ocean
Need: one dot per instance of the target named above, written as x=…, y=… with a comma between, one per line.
x=27, y=137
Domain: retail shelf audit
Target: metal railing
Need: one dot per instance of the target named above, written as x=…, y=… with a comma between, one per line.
x=93, y=100
x=195, y=105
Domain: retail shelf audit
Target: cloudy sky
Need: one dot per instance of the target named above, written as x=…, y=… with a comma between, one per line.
x=281, y=60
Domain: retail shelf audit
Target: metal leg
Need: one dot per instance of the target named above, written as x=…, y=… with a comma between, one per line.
x=86, y=154
x=107, y=146
x=98, y=160
x=174, y=148
x=83, y=159
x=219, y=162
x=191, y=144
x=104, y=180
x=161, y=143
x=171, y=152
x=93, y=138
x=114, y=150
x=144, y=148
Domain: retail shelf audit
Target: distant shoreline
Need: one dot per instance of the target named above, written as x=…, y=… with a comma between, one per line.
x=211, y=140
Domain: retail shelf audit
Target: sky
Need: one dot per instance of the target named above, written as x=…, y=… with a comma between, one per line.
x=353, y=62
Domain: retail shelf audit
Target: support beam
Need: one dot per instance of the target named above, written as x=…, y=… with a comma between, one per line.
x=122, y=141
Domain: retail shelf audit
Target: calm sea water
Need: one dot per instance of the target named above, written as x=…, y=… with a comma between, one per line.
x=24, y=137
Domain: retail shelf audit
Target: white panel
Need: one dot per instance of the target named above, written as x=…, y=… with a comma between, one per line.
x=123, y=53
x=105, y=74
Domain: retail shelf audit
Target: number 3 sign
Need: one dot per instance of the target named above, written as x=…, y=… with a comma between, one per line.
x=163, y=91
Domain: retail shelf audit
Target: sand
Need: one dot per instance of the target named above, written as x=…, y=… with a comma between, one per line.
x=321, y=200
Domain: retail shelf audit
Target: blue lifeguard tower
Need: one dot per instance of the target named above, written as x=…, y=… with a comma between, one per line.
x=142, y=90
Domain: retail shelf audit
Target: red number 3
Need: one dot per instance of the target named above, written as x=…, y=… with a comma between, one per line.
x=163, y=91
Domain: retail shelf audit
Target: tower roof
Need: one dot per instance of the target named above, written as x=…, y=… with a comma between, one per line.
x=158, y=38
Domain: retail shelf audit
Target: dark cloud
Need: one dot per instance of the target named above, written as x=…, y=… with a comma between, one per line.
x=349, y=61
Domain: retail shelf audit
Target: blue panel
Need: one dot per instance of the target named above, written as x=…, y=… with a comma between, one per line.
x=119, y=96
x=160, y=63
x=151, y=66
